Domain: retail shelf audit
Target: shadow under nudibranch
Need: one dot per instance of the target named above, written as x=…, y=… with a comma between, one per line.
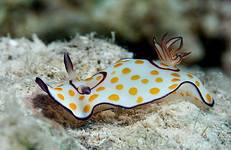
x=55, y=112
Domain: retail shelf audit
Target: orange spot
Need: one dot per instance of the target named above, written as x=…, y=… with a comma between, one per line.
x=159, y=79
x=114, y=97
x=173, y=86
x=139, y=99
x=88, y=79
x=81, y=97
x=139, y=61
x=118, y=64
x=209, y=98
x=154, y=72
x=175, y=74
x=113, y=72
x=197, y=83
x=60, y=96
x=154, y=91
x=144, y=81
x=98, y=78
x=190, y=75
x=87, y=108
x=93, y=97
x=114, y=80
x=100, y=89
x=73, y=106
x=133, y=91
x=126, y=70
x=119, y=87
x=135, y=77
x=58, y=88
x=71, y=93
x=175, y=80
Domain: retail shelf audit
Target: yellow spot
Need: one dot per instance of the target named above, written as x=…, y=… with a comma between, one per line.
x=175, y=80
x=154, y=72
x=73, y=106
x=173, y=86
x=60, y=96
x=144, y=81
x=114, y=97
x=175, y=74
x=93, y=97
x=139, y=61
x=133, y=91
x=113, y=72
x=58, y=88
x=159, y=79
x=87, y=108
x=100, y=89
x=118, y=64
x=209, y=98
x=135, y=77
x=126, y=70
x=154, y=91
x=114, y=80
x=119, y=87
x=81, y=97
x=197, y=83
x=139, y=99
x=71, y=93
x=89, y=79
x=190, y=75
x=98, y=78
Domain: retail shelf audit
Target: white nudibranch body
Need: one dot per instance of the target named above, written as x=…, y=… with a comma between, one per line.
x=128, y=83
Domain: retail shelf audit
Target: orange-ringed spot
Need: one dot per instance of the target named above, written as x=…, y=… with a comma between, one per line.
x=135, y=77
x=126, y=70
x=154, y=91
x=209, y=98
x=58, y=89
x=132, y=91
x=60, y=96
x=87, y=108
x=159, y=79
x=114, y=97
x=73, y=106
x=139, y=61
x=144, y=81
x=154, y=72
x=139, y=99
x=93, y=97
x=175, y=80
x=119, y=87
x=81, y=97
x=114, y=80
x=118, y=64
x=71, y=92
x=100, y=89
x=173, y=86
x=175, y=74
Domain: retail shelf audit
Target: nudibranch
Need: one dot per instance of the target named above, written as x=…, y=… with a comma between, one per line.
x=129, y=82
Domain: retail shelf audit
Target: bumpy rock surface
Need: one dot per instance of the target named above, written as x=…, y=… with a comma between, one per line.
x=31, y=120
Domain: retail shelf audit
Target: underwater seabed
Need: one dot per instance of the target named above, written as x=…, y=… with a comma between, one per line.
x=31, y=120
